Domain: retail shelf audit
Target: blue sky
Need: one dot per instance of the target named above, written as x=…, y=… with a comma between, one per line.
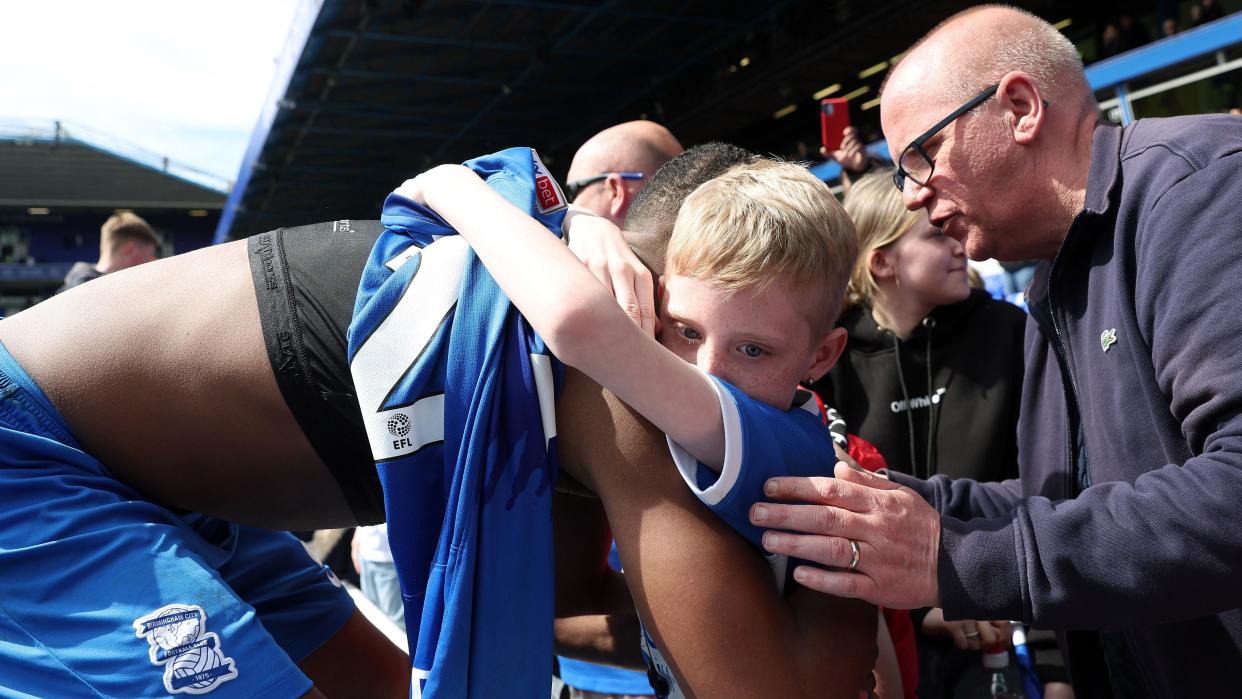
x=181, y=79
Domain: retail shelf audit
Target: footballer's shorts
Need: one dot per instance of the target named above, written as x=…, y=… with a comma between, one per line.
x=106, y=594
x=305, y=282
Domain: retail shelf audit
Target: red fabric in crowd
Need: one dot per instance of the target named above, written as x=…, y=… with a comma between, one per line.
x=900, y=626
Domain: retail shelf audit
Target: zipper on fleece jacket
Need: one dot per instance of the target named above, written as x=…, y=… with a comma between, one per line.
x=1080, y=468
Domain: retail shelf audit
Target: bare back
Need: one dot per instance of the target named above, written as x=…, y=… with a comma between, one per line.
x=161, y=373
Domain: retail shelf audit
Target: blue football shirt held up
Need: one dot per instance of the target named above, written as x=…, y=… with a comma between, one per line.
x=457, y=394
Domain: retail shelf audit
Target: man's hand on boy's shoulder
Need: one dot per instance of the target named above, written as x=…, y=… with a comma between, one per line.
x=879, y=541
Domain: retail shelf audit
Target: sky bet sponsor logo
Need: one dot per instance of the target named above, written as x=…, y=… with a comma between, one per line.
x=548, y=195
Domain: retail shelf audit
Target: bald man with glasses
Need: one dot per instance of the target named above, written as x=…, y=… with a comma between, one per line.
x=613, y=165
x=1122, y=531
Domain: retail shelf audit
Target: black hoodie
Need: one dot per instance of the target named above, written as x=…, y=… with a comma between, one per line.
x=961, y=409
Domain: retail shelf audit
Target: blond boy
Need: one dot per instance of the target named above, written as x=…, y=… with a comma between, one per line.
x=756, y=270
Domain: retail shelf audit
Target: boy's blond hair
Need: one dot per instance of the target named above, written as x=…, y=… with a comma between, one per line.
x=762, y=223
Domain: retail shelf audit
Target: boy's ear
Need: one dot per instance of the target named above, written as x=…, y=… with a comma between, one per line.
x=827, y=352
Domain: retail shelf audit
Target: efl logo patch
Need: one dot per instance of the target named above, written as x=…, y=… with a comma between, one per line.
x=548, y=195
x=193, y=660
x=402, y=431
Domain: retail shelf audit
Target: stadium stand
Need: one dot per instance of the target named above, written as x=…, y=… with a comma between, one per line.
x=58, y=184
x=369, y=93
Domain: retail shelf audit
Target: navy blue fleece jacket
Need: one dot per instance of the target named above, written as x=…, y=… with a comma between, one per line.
x=1127, y=515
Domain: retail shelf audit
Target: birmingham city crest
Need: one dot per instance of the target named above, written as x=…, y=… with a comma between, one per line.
x=191, y=656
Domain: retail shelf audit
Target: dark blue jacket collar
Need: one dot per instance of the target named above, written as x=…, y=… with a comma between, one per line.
x=1103, y=181
x=1105, y=169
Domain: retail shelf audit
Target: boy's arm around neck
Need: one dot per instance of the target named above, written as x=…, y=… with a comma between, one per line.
x=707, y=596
x=574, y=314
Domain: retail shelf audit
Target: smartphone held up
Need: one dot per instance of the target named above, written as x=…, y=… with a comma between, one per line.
x=834, y=118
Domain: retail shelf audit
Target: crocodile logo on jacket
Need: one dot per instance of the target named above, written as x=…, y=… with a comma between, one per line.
x=1108, y=338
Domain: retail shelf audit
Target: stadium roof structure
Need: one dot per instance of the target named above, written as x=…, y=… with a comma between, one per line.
x=37, y=160
x=370, y=92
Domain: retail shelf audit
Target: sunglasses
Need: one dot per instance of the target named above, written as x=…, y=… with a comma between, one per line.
x=573, y=188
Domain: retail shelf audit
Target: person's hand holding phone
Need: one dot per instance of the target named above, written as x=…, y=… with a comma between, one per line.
x=851, y=155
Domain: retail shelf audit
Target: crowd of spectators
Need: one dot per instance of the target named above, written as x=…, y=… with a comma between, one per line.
x=1127, y=31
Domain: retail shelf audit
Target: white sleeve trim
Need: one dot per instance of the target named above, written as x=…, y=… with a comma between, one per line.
x=732, y=467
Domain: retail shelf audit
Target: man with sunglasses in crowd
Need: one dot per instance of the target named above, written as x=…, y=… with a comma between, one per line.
x=612, y=166
x=1130, y=438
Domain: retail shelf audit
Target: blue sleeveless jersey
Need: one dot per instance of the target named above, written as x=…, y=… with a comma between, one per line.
x=457, y=395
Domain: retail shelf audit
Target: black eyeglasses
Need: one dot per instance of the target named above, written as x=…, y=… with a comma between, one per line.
x=572, y=188
x=915, y=163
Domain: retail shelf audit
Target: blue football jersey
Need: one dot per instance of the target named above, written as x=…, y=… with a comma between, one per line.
x=457, y=394
x=760, y=442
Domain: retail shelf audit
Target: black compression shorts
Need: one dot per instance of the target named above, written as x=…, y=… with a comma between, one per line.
x=305, y=280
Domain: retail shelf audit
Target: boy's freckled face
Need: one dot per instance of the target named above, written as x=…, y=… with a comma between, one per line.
x=758, y=341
